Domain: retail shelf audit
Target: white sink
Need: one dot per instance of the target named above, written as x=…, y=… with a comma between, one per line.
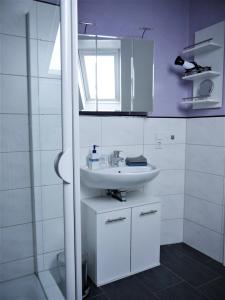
x=118, y=178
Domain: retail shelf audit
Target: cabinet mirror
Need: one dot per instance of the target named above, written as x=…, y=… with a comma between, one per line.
x=115, y=74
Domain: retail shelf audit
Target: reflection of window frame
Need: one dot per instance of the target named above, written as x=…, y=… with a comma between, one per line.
x=107, y=52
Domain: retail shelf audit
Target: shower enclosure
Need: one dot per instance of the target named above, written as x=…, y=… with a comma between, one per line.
x=40, y=255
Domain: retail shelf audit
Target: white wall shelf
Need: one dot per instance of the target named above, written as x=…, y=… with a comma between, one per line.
x=201, y=101
x=203, y=48
x=207, y=51
x=203, y=75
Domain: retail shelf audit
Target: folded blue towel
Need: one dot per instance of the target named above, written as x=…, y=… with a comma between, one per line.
x=136, y=164
x=136, y=161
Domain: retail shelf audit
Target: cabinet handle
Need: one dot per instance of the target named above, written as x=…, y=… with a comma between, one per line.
x=115, y=220
x=150, y=212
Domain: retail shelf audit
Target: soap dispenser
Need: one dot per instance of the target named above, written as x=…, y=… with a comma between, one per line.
x=93, y=159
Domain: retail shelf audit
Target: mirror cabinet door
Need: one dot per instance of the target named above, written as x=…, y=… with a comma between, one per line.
x=87, y=73
x=143, y=64
x=115, y=74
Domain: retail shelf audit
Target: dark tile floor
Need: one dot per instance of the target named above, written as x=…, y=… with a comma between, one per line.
x=184, y=274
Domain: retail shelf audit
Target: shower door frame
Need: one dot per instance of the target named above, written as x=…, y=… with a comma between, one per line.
x=70, y=124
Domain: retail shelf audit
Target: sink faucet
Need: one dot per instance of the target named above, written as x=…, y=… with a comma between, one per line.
x=115, y=158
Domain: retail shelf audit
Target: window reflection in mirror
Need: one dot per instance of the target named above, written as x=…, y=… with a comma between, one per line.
x=115, y=74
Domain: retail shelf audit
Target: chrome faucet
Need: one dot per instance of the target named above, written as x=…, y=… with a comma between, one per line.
x=115, y=158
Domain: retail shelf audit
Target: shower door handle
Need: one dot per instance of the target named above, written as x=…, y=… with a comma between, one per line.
x=64, y=166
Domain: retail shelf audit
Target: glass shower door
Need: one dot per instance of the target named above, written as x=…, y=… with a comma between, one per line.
x=37, y=210
x=45, y=114
x=50, y=130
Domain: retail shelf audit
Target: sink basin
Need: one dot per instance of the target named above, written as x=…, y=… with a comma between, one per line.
x=118, y=178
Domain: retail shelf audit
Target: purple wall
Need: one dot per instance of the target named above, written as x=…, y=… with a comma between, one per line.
x=170, y=35
x=173, y=29
x=204, y=13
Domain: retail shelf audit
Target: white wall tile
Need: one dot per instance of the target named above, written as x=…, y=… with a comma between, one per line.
x=44, y=58
x=122, y=131
x=86, y=192
x=14, y=133
x=39, y=238
x=90, y=131
x=33, y=20
x=204, y=213
x=84, y=151
x=1, y=249
x=53, y=234
x=34, y=58
x=37, y=203
x=14, y=170
x=16, y=269
x=35, y=127
x=22, y=288
x=49, y=96
x=204, y=186
x=48, y=174
x=167, y=156
x=22, y=237
x=204, y=155
x=52, y=201
x=126, y=150
x=13, y=100
x=224, y=193
x=203, y=239
x=168, y=182
x=36, y=167
x=171, y=231
x=40, y=262
x=50, y=259
x=15, y=207
x=11, y=61
x=48, y=18
x=50, y=132
x=34, y=101
x=172, y=206
x=206, y=131
x=207, y=159
x=11, y=23
x=162, y=128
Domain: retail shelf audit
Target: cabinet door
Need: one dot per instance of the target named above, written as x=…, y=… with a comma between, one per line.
x=113, y=245
x=145, y=237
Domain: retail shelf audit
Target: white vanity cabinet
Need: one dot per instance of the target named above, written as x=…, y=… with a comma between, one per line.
x=113, y=245
x=120, y=238
x=145, y=237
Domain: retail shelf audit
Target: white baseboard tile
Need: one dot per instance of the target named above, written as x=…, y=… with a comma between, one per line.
x=172, y=206
x=171, y=231
x=203, y=239
x=16, y=269
x=204, y=213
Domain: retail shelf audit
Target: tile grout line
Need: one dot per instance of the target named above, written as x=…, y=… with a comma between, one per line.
x=203, y=226
x=186, y=282
x=199, y=198
x=210, y=281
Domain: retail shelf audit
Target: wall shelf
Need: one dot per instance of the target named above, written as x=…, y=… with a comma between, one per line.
x=203, y=75
x=202, y=48
x=208, y=50
x=201, y=101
